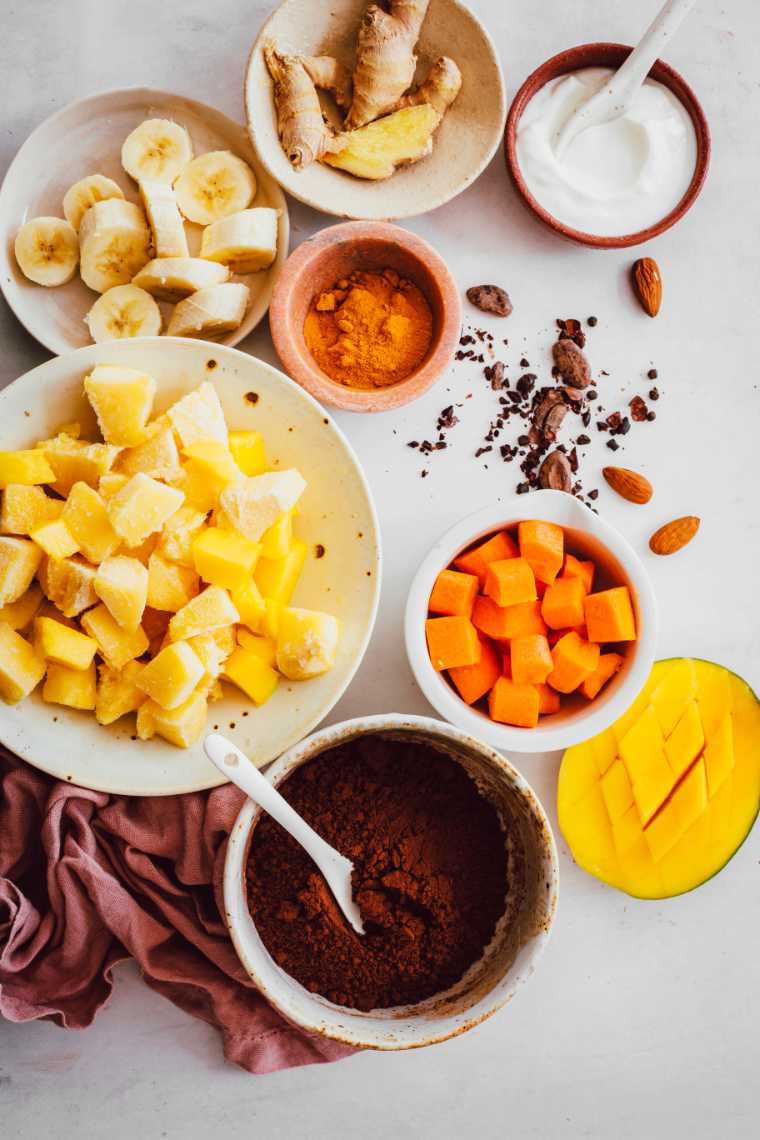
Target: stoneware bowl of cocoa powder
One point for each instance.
(455, 873)
(335, 254)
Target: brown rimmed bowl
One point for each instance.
(335, 253)
(606, 55)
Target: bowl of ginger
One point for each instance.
(366, 316)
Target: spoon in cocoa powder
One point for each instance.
(337, 870)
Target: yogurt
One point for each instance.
(617, 177)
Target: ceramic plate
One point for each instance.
(336, 511)
(86, 138)
(464, 144)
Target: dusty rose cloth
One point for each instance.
(88, 879)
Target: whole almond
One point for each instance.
(671, 537)
(647, 284)
(630, 485)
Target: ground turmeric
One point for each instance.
(370, 330)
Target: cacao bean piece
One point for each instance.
(572, 364)
(490, 299)
(555, 472)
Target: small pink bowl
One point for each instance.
(606, 55)
(337, 252)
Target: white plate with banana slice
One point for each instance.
(145, 184)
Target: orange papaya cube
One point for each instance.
(555, 635)
(452, 641)
(510, 703)
(506, 664)
(510, 581)
(562, 605)
(574, 568)
(476, 561)
(574, 660)
(474, 681)
(531, 659)
(542, 545)
(548, 700)
(609, 663)
(489, 618)
(523, 619)
(609, 615)
(453, 593)
(541, 589)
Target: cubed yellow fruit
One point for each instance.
(87, 517)
(307, 643)
(248, 451)
(121, 583)
(201, 494)
(19, 560)
(223, 558)
(56, 539)
(56, 642)
(77, 461)
(157, 456)
(276, 578)
(251, 674)
(199, 415)
(142, 552)
(181, 726)
(249, 603)
(263, 647)
(270, 621)
(26, 467)
(211, 610)
(110, 483)
(75, 688)
(117, 646)
(224, 638)
(170, 586)
(171, 677)
(122, 399)
(21, 668)
(214, 459)
(117, 692)
(26, 507)
(175, 543)
(19, 614)
(252, 504)
(142, 507)
(277, 541)
(69, 583)
(212, 654)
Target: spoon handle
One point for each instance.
(639, 63)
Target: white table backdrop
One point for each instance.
(641, 1020)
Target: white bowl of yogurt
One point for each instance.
(618, 183)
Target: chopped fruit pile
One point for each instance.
(516, 621)
(137, 572)
(659, 802)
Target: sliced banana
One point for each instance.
(158, 148)
(246, 242)
(124, 311)
(167, 227)
(174, 278)
(47, 251)
(213, 186)
(210, 312)
(85, 193)
(114, 243)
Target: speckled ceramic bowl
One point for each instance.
(335, 253)
(509, 959)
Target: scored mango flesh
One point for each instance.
(660, 801)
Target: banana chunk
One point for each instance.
(167, 227)
(114, 243)
(47, 251)
(158, 148)
(174, 278)
(246, 242)
(213, 186)
(85, 193)
(210, 312)
(121, 312)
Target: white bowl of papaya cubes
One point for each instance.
(532, 623)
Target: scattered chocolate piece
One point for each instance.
(490, 299)
(593, 322)
(571, 363)
(593, 494)
(555, 472)
(654, 394)
(592, 394)
(526, 383)
(523, 488)
(482, 451)
(447, 419)
(413, 443)
(423, 474)
(571, 329)
(652, 374)
(638, 409)
(613, 444)
(583, 440)
(549, 410)
(524, 363)
(651, 416)
(494, 374)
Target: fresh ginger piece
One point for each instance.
(440, 88)
(385, 59)
(304, 135)
(376, 150)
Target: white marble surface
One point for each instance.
(640, 1021)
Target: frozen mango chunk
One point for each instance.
(224, 558)
(157, 456)
(26, 507)
(122, 399)
(209, 611)
(199, 415)
(117, 692)
(87, 518)
(56, 539)
(214, 461)
(212, 653)
(28, 468)
(142, 507)
(307, 643)
(117, 646)
(170, 586)
(263, 647)
(270, 619)
(21, 667)
(247, 600)
(251, 505)
(248, 451)
(69, 583)
(251, 674)
(75, 688)
(278, 539)
(276, 578)
(56, 642)
(77, 461)
(170, 678)
(181, 726)
(19, 561)
(110, 483)
(175, 542)
(19, 614)
(121, 583)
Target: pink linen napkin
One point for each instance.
(88, 879)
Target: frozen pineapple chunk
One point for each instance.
(251, 673)
(56, 539)
(170, 678)
(175, 542)
(76, 461)
(25, 467)
(277, 541)
(117, 646)
(121, 583)
(117, 692)
(170, 586)
(19, 559)
(18, 615)
(263, 647)
(86, 516)
(212, 655)
(157, 456)
(223, 558)
(199, 415)
(142, 507)
(276, 578)
(57, 642)
(122, 399)
(247, 600)
(214, 460)
(248, 451)
(181, 726)
(142, 552)
(201, 494)
(26, 507)
(251, 505)
(110, 483)
(69, 583)
(21, 668)
(211, 610)
(307, 643)
(75, 688)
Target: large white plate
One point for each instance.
(336, 511)
(86, 138)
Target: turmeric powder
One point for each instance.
(370, 330)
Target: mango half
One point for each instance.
(659, 802)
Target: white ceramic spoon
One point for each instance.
(614, 97)
(235, 766)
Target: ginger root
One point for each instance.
(329, 74)
(304, 134)
(385, 58)
(440, 89)
(378, 149)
